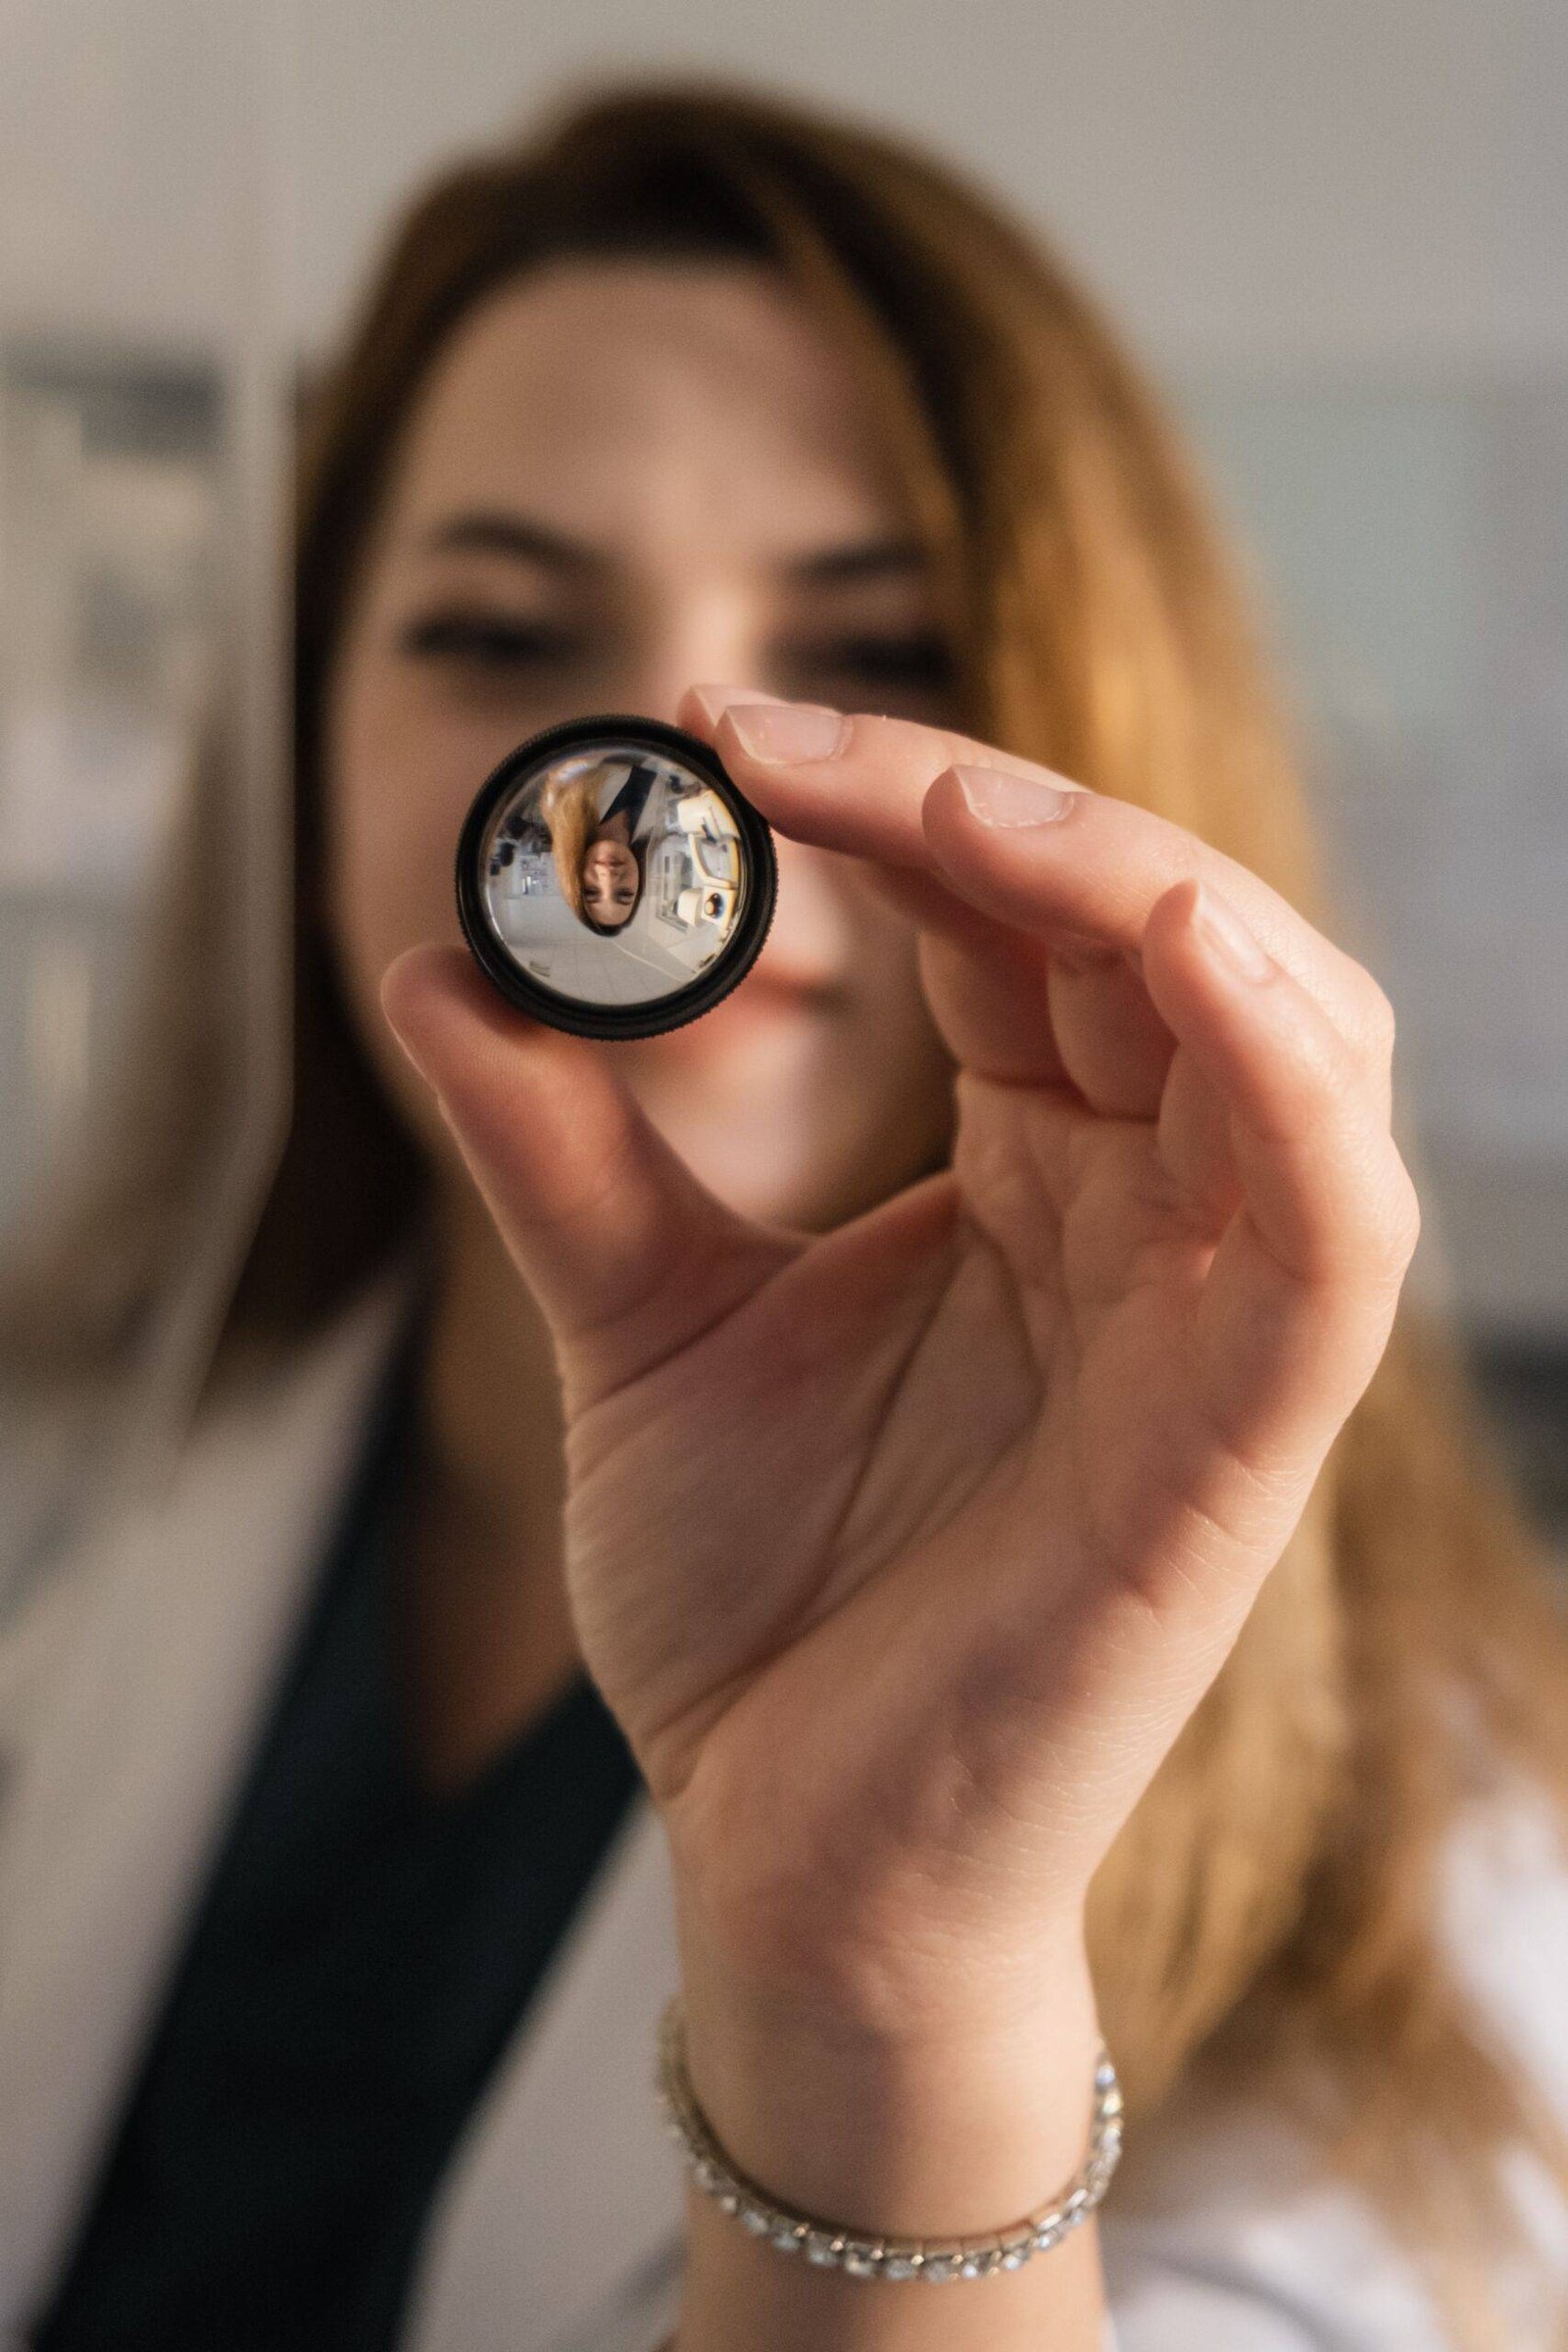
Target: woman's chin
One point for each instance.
(740, 1093)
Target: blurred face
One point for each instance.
(622, 478)
(608, 882)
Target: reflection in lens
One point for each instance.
(613, 876)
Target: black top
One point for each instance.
(631, 798)
(362, 1951)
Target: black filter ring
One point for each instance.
(759, 884)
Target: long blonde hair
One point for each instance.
(1269, 1918)
(570, 810)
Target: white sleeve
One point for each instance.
(1236, 2238)
(1259, 2263)
(1221, 2232)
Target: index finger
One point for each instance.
(1098, 875)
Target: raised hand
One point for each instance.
(903, 1553)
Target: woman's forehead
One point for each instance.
(624, 404)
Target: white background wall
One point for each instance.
(1336, 230)
(1350, 184)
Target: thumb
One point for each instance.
(628, 1254)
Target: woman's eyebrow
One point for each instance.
(856, 560)
(495, 531)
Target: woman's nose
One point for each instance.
(703, 636)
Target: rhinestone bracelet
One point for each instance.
(876, 2257)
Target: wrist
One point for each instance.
(952, 2124)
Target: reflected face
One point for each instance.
(706, 501)
(609, 882)
(621, 820)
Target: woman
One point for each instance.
(610, 879)
(925, 1468)
(600, 871)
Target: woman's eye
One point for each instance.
(894, 661)
(486, 640)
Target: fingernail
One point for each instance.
(717, 700)
(788, 731)
(1225, 932)
(997, 798)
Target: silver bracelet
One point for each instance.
(875, 2257)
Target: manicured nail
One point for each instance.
(788, 731)
(997, 798)
(717, 700)
(1224, 931)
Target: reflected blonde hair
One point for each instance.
(1268, 1920)
(570, 809)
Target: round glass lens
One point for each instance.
(609, 869)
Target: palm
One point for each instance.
(795, 1617)
(903, 1553)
